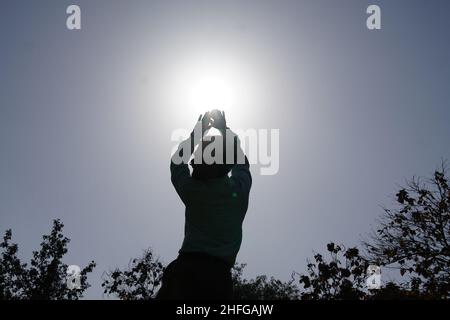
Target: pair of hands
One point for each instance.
(212, 119)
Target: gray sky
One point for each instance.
(86, 118)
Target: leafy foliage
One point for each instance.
(415, 236)
(46, 277)
(140, 281)
(342, 277)
(262, 288)
(12, 271)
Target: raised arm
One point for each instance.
(179, 169)
(240, 172)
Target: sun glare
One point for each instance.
(209, 91)
(204, 83)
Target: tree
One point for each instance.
(262, 288)
(140, 281)
(415, 236)
(46, 277)
(342, 277)
(12, 271)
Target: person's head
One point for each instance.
(206, 164)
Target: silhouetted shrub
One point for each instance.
(46, 277)
(140, 281)
(415, 236)
(262, 288)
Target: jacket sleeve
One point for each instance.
(179, 170)
(242, 176)
(241, 171)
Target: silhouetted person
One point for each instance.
(216, 204)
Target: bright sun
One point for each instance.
(206, 82)
(209, 91)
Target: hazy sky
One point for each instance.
(86, 118)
